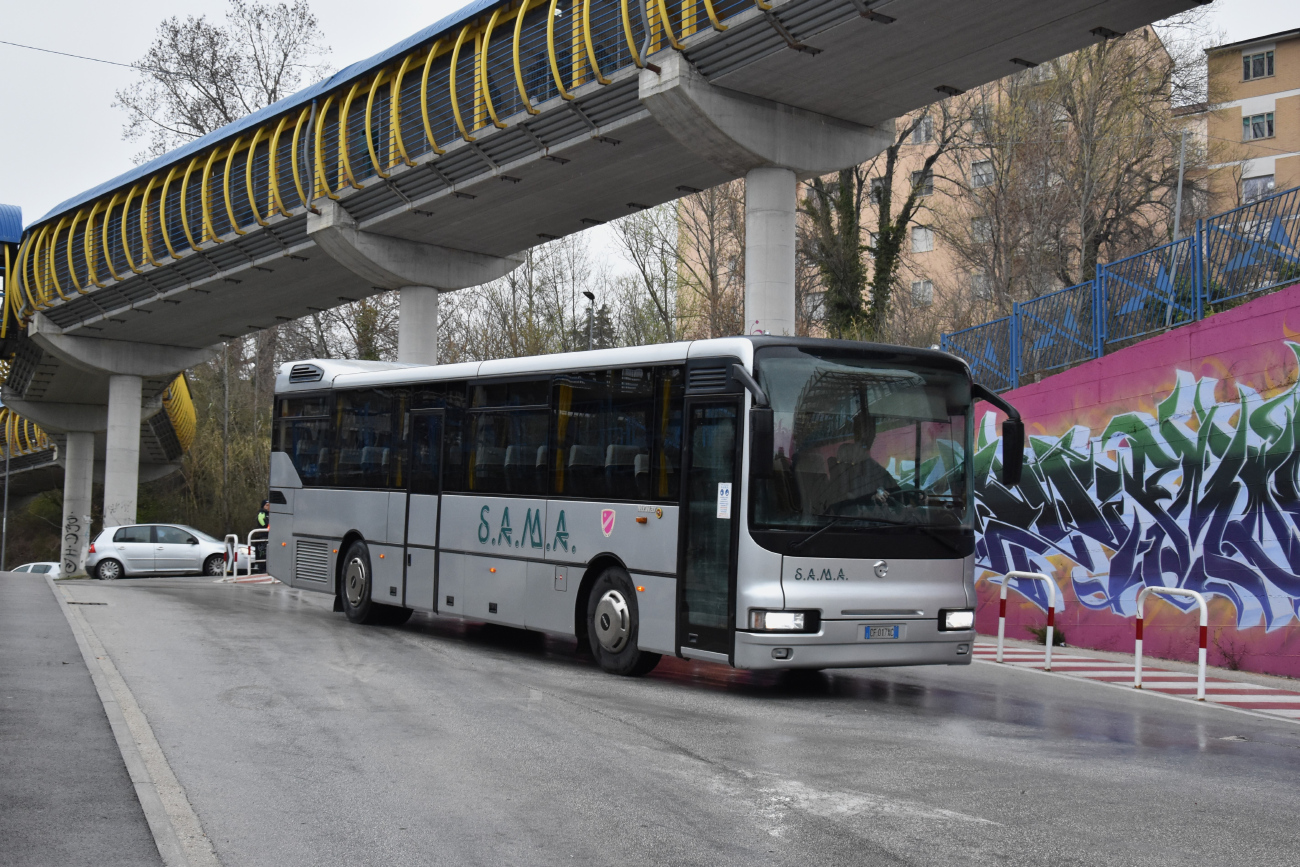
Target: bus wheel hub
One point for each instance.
(354, 582)
(612, 621)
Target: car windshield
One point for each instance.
(202, 535)
(861, 442)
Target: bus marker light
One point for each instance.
(493, 569)
(381, 556)
(282, 544)
(640, 589)
(642, 520)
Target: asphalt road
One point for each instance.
(300, 738)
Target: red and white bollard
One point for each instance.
(1051, 611)
(1205, 631)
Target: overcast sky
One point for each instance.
(61, 135)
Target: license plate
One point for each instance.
(881, 632)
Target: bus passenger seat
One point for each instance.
(620, 470)
(641, 469)
(586, 463)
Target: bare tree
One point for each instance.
(650, 240)
(711, 251)
(198, 76)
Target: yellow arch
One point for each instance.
(185, 216)
(37, 278)
(482, 68)
(519, 69)
(72, 270)
(668, 26)
(108, 219)
(225, 187)
(713, 16)
(248, 174)
(50, 254)
(24, 250)
(273, 167)
(591, 46)
(162, 212)
(455, 101)
(293, 163)
(146, 248)
(370, 106)
(343, 137)
(88, 246)
(550, 50)
(395, 113)
(424, 97)
(126, 214)
(631, 38)
(205, 206)
(321, 177)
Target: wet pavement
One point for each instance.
(300, 738)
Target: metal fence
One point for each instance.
(1234, 255)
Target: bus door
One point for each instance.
(424, 488)
(706, 595)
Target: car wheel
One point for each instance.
(613, 626)
(214, 565)
(108, 570)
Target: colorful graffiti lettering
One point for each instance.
(1202, 494)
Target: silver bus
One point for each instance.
(762, 502)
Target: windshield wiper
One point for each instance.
(806, 539)
(924, 528)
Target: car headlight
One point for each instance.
(958, 620)
(782, 621)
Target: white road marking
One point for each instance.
(175, 827)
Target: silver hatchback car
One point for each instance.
(148, 549)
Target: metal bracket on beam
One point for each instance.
(789, 37)
(867, 13)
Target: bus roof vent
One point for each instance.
(305, 373)
(710, 378)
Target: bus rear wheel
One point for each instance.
(613, 625)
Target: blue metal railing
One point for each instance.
(1243, 252)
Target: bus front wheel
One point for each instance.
(355, 591)
(613, 625)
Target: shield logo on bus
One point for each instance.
(607, 521)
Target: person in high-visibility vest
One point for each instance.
(263, 523)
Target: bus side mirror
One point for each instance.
(760, 442)
(1013, 451)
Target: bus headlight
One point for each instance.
(959, 620)
(782, 621)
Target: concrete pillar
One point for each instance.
(122, 456)
(78, 475)
(769, 251)
(417, 325)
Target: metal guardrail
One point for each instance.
(1231, 256)
(500, 66)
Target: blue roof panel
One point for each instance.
(289, 103)
(11, 224)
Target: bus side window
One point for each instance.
(370, 438)
(302, 431)
(603, 419)
(665, 473)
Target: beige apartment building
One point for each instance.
(1252, 127)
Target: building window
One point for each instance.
(1257, 126)
(1254, 189)
(877, 189)
(1256, 65)
(923, 183)
(981, 230)
(922, 293)
(922, 239)
(981, 173)
(924, 131)
(980, 286)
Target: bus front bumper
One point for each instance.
(841, 644)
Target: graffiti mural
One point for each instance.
(1200, 495)
(1174, 462)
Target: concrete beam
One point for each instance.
(115, 357)
(69, 417)
(739, 132)
(392, 263)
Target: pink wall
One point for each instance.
(1173, 462)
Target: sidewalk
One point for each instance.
(1248, 692)
(66, 795)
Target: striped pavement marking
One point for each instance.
(1253, 697)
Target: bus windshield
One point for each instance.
(862, 442)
